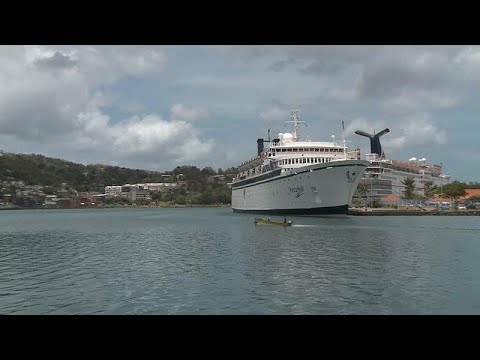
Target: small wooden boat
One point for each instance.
(272, 222)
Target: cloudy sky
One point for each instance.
(156, 107)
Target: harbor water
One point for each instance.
(213, 261)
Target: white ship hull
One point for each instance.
(315, 189)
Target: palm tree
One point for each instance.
(409, 183)
(361, 191)
(429, 188)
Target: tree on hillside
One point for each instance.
(189, 172)
(208, 171)
(142, 202)
(232, 170)
(156, 196)
(429, 188)
(52, 173)
(180, 199)
(208, 198)
(454, 189)
(409, 183)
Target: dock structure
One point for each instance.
(412, 212)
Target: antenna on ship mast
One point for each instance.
(296, 123)
(344, 141)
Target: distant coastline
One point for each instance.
(351, 211)
(122, 207)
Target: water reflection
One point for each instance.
(211, 261)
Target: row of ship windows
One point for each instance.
(273, 150)
(304, 161)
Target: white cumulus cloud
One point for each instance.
(274, 113)
(411, 100)
(184, 113)
(413, 130)
(56, 94)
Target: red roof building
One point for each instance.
(470, 193)
(391, 198)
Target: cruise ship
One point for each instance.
(291, 176)
(385, 176)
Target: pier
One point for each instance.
(410, 212)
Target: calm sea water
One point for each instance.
(212, 261)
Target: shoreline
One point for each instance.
(350, 212)
(118, 207)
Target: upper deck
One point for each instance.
(288, 152)
(420, 167)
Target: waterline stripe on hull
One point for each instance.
(342, 209)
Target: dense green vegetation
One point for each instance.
(52, 173)
(40, 170)
(454, 189)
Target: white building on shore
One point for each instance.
(113, 190)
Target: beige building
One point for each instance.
(160, 187)
(113, 190)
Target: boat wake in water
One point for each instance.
(300, 225)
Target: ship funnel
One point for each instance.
(375, 146)
(259, 146)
